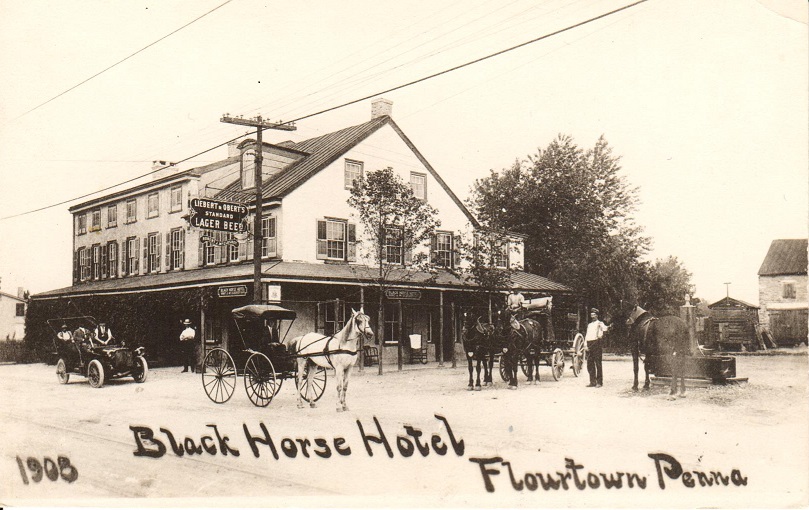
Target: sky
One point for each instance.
(707, 103)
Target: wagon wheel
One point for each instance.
(61, 371)
(579, 357)
(557, 364)
(141, 369)
(524, 365)
(313, 387)
(95, 374)
(260, 382)
(218, 375)
(503, 372)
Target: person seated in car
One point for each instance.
(64, 334)
(103, 334)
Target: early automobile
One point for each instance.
(77, 353)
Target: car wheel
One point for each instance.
(95, 374)
(141, 369)
(61, 371)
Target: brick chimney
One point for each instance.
(381, 107)
(162, 168)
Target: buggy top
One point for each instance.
(258, 312)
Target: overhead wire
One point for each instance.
(348, 103)
(120, 61)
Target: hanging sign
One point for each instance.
(231, 291)
(408, 294)
(218, 215)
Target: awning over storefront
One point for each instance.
(345, 274)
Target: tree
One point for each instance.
(576, 209)
(663, 286)
(395, 223)
(486, 257)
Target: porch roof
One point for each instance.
(306, 272)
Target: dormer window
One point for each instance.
(249, 169)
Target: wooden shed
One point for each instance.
(732, 325)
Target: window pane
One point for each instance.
(353, 171)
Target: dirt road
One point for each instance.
(416, 437)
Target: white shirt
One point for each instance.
(515, 301)
(188, 334)
(595, 330)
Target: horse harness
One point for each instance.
(645, 324)
(328, 353)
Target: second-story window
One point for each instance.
(788, 290)
(176, 199)
(393, 246)
(269, 244)
(336, 240)
(153, 205)
(418, 182)
(84, 264)
(96, 262)
(500, 254)
(95, 220)
(81, 224)
(233, 248)
(353, 171)
(177, 249)
(112, 216)
(131, 210)
(442, 252)
(112, 259)
(130, 256)
(153, 253)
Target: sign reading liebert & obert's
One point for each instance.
(218, 215)
(409, 294)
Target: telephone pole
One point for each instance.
(260, 126)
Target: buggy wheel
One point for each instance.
(557, 364)
(314, 386)
(141, 369)
(95, 374)
(579, 357)
(503, 370)
(524, 365)
(218, 375)
(61, 371)
(259, 380)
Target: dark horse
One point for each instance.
(479, 346)
(657, 337)
(523, 340)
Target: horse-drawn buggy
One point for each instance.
(79, 353)
(265, 359)
(542, 336)
(523, 340)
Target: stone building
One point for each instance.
(782, 290)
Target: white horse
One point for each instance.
(338, 352)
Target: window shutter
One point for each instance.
(352, 242)
(201, 254)
(242, 250)
(157, 256)
(456, 251)
(76, 266)
(124, 253)
(114, 267)
(181, 247)
(145, 255)
(221, 237)
(433, 249)
(322, 245)
(104, 261)
(136, 256)
(250, 243)
(168, 252)
(407, 256)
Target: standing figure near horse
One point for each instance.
(654, 338)
(594, 338)
(338, 352)
(478, 342)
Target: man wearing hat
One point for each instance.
(594, 335)
(187, 345)
(64, 334)
(102, 333)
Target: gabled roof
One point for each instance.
(321, 152)
(3, 294)
(731, 302)
(785, 257)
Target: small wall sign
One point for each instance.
(226, 291)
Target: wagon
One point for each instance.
(99, 363)
(557, 343)
(262, 359)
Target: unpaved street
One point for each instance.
(517, 441)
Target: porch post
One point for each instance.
(202, 324)
(362, 338)
(454, 333)
(440, 328)
(401, 333)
